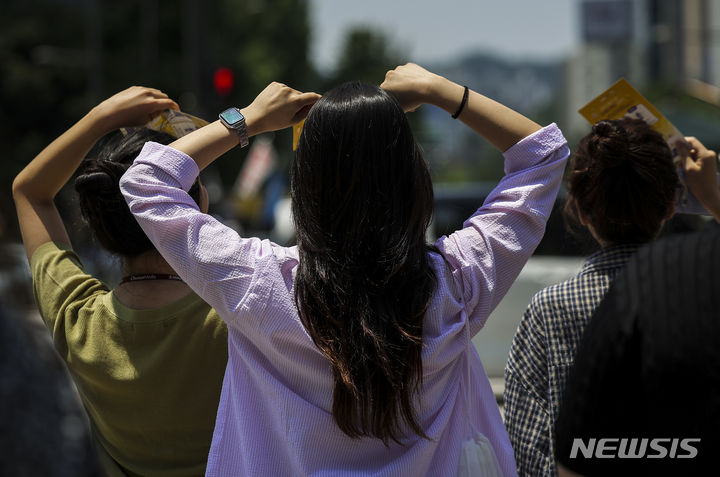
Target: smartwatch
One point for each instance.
(233, 119)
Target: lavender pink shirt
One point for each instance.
(274, 416)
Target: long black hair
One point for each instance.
(362, 200)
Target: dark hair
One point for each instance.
(622, 179)
(101, 203)
(362, 200)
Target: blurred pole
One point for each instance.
(94, 51)
(149, 20)
(706, 35)
(193, 23)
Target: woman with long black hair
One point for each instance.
(350, 353)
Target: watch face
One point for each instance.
(232, 116)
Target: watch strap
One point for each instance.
(238, 126)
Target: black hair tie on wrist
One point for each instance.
(462, 103)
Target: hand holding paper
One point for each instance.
(622, 100)
(700, 167)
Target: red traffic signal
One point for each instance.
(223, 81)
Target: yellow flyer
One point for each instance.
(621, 100)
(175, 123)
(297, 130)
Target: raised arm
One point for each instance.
(35, 187)
(413, 86)
(701, 175)
(494, 244)
(277, 107)
(209, 256)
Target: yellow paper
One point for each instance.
(297, 129)
(175, 123)
(621, 100)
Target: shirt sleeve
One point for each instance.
(487, 254)
(61, 284)
(527, 415)
(226, 270)
(220, 266)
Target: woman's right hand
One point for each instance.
(134, 106)
(277, 107)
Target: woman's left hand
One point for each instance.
(134, 106)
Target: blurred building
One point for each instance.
(686, 43)
(671, 43)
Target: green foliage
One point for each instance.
(366, 55)
(40, 84)
(60, 58)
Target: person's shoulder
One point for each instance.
(283, 254)
(444, 274)
(55, 265)
(557, 294)
(50, 250)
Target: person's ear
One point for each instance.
(584, 221)
(671, 208)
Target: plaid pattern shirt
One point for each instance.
(542, 353)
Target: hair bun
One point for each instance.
(95, 182)
(604, 128)
(611, 144)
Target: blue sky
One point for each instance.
(432, 30)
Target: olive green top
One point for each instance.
(150, 379)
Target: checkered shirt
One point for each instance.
(542, 353)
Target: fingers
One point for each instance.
(306, 99)
(683, 147)
(304, 102)
(161, 100)
(143, 91)
(301, 114)
(698, 149)
(410, 84)
(694, 146)
(295, 98)
(276, 107)
(155, 92)
(300, 98)
(155, 96)
(168, 103)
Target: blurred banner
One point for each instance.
(259, 164)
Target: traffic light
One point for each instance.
(223, 81)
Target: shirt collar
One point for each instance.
(609, 258)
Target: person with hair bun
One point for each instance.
(147, 356)
(622, 185)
